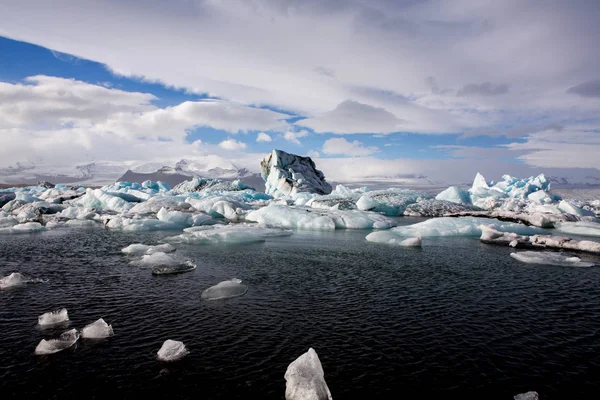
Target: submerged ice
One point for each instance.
(549, 258)
(225, 290)
(239, 233)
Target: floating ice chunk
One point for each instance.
(12, 280)
(160, 259)
(479, 182)
(527, 396)
(412, 242)
(238, 233)
(172, 350)
(154, 204)
(97, 198)
(16, 279)
(174, 217)
(53, 317)
(456, 195)
(291, 218)
(225, 290)
(76, 213)
(64, 341)
(142, 224)
(549, 258)
(579, 228)
(141, 249)
(27, 227)
(97, 330)
(437, 208)
(316, 219)
(305, 379)
(466, 226)
(7, 221)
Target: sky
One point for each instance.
(368, 88)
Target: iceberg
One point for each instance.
(225, 290)
(173, 269)
(437, 208)
(210, 184)
(305, 379)
(456, 195)
(53, 317)
(287, 174)
(411, 242)
(549, 258)
(238, 233)
(305, 218)
(172, 350)
(97, 330)
(141, 249)
(64, 341)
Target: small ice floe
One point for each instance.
(174, 269)
(97, 330)
(53, 317)
(225, 290)
(64, 341)
(527, 396)
(549, 258)
(305, 379)
(238, 233)
(16, 279)
(160, 259)
(172, 350)
(143, 249)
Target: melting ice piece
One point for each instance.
(14, 279)
(97, 330)
(53, 317)
(225, 290)
(160, 259)
(527, 396)
(455, 194)
(141, 249)
(64, 341)
(305, 379)
(172, 350)
(238, 233)
(549, 258)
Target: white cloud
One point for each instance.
(354, 117)
(341, 146)
(232, 144)
(381, 54)
(313, 154)
(291, 136)
(263, 137)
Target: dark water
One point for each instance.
(454, 318)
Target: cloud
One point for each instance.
(354, 117)
(586, 89)
(292, 136)
(232, 144)
(263, 137)
(483, 89)
(341, 146)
